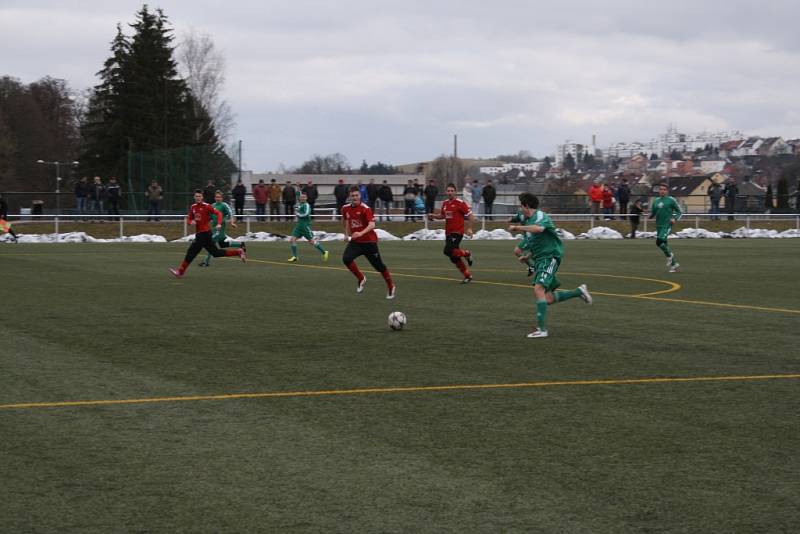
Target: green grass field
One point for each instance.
(271, 397)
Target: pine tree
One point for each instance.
(768, 205)
(142, 116)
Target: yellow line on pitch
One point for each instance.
(411, 389)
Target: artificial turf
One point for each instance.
(107, 322)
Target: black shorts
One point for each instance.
(353, 250)
(451, 243)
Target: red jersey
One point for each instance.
(454, 212)
(201, 213)
(357, 218)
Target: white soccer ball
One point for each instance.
(397, 320)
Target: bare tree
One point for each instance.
(203, 68)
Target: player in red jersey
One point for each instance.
(359, 231)
(454, 212)
(200, 215)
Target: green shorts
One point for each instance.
(302, 230)
(218, 236)
(662, 232)
(545, 275)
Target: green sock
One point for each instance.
(208, 259)
(294, 250)
(566, 294)
(541, 313)
(235, 244)
(319, 247)
(665, 249)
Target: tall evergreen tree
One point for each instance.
(142, 118)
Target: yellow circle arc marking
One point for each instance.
(397, 389)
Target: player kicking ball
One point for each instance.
(200, 215)
(545, 248)
(455, 212)
(303, 229)
(665, 211)
(219, 237)
(359, 231)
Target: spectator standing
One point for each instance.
(387, 198)
(97, 194)
(636, 211)
(489, 193)
(312, 194)
(714, 196)
(467, 192)
(239, 192)
(477, 190)
(431, 192)
(608, 202)
(372, 193)
(208, 192)
(730, 193)
(409, 197)
(623, 197)
(341, 192)
(362, 190)
(81, 190)
(289, 198)
(114, 193)
(260, 195)
(596, 197)
(275, 197)
(3, 208)
(154, 195)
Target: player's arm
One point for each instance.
(190, 216)
(469, 219)
(676, 212)
(533, 228)
(214, 211)
(346, 228)
(231, 215)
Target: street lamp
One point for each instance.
(58, 182)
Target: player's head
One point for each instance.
(355, 196)
(663, 189)
(303, 197)
(451, 191)
(198, 195)
(529, 200)
(217, 196)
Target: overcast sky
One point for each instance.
(393, 81)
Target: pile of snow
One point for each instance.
(793, 233)
(600, 232)
(82, 237)
(697, 233)
(425, 235)
(383, 235)
(564, 235)
(497, 234)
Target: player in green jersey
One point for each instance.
(218, 236)
(303, 229)
(545, 249)
(665, 210)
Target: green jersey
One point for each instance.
(225, 210)
(303, 213)
(664, 210)
(544, 244)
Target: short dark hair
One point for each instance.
(353, 188)
(663, 184)
(451, 184)
(198, 191)
(529, 200)
(217, 192)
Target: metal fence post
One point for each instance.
(58, 238)
(121, 226)
(697, 222)
(483, 222)
(247, 223)
(184, 227)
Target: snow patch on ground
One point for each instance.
(425, 235)
(82, 237)
(600, 232)
(495, 235)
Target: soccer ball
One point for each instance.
(397, 320)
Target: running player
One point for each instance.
(455, 212)
(200, 215)
(219, 237)
(359, 231)
(303, 229)
(547, 251)
(5, 227)
(665, 210)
